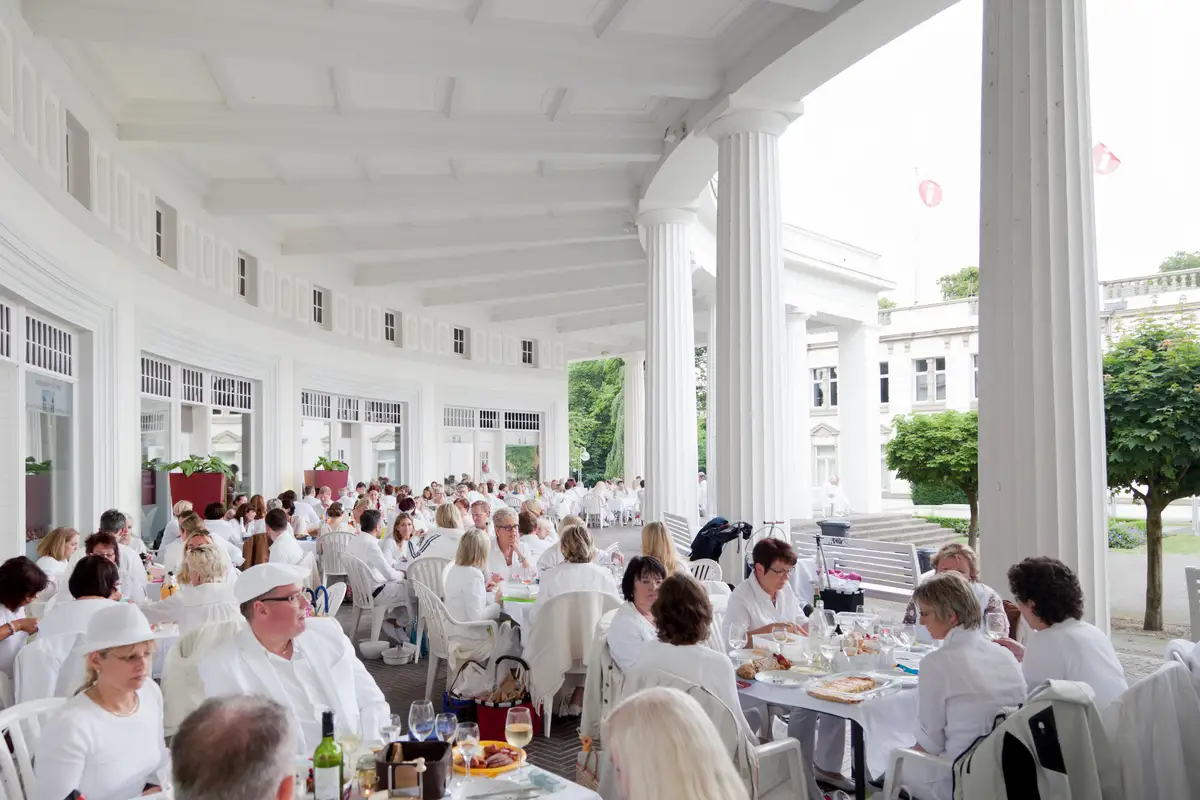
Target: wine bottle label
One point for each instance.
(327, 783)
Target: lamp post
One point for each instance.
(584, 457)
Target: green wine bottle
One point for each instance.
(327, 763)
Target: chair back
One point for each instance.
(561, 637)
(437, 619)
(336, 595)
(182, 689)
(22, 726)
(705, 569)
(513, 501)
(360, 580)
(430, 571)
(332, 547)
(681, 533)
(38, 667)
(592, 504)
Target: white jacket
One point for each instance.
(467, 600)
(193, 607)
(366, 548)
(285, 549)
(241, 667)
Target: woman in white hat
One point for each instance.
(107, 741)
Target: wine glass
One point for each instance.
(828, 646)
(467, 736)
(420, 720)
(906, 635)
(391, 729)
(997, 625)
(350, 740)
(445, 725)
(518, 731)
(737, 638)
(779, 634)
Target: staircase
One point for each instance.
(890, 527)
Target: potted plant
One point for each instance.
(199, 480)
(150, 470)
(39, 507)
(328, 472)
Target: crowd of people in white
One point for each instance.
(246, 628)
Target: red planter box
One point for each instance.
(200, 488)
(326, 477)
(39, 506)
(149, 487)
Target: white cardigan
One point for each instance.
(193, 607)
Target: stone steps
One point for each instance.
(894, 527)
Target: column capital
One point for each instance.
(797, 316)
(667, 216)
(744, 114)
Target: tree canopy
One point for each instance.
(1152, 428)
(592, 391)
(939, 450)
(1179, 261)
(885, 303)
(960, 285)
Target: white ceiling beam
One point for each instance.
(522, 263)
(469, 194)
(808, 5)
(592, 301)
(591, 320)
(497, 234)
(563, 284)
(391, 39)
(610, 18)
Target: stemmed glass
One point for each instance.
(906, 635)
(445, 724)
(391, 729)
(737, 638)
(467, 736)
(779, 633)
(518, 731)
(420, 720)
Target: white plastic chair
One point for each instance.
(337, 594)
(363, 585)
(705, 569)
(332, 546)
(440, 623)
(894, 781)
(22, 724)
(593, 507)
(430, 571)
(6, 690)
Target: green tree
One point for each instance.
(940, 450)
(1181, 260)
(615, 463)
(886, 303)
(592, 391)
(1152, 429)
(960, 285)
(702, 407)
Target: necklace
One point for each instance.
(137, 703)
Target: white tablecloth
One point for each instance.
(307, 545)
(521, 613)
(888, 722)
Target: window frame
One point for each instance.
(885, 383)
(389, 326)
(824, 380)
(935, 367)
(528, 353)
(317, 308)
(458, 341)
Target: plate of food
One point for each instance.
(848, 687)
(767, 663)
(747, 654)
(809, 670)
(495, 758)
(781, 677)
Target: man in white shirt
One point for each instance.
(756, 605)
(235, 747)
(702, 495)
(305, 665)
(308, 496)
(481, 516)
(322, 501)
(219, 527)
(304, 519)
(389, 588)
(284, 547)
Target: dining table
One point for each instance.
(519, 602)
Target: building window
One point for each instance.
(460, 342)
(247, 278)
(389, 327)
(241, 275)
(931, 380)
(158, 233)
(975, 376)
(884, 392)
(67, 161)
(824, 382)
(77, 162)
(825, 464)
(165, 232)
(527, 352)
(318, 307)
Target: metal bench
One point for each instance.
(889, 569)
(681, 534)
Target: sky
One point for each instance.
(911, 110)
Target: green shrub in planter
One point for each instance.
(934, 495)
(1124, 536)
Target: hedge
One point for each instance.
(961, 526)
(1125, 535)
(927, 495)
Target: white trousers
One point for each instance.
(393, 595)
(828, 735)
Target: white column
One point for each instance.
(712, 472)
(1041, 434)
(752, 393)
(858, 416)
(671, 449)
(799, 436)
(635, 417)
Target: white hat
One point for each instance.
(260, 579)
(116, 626)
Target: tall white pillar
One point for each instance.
(752, 394)
(1041, 433)
(635, 417)
(671, 448)
(712, 471)
(859, 440)
(800, 435)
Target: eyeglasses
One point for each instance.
(295, 599)
(506, 527)
(655, 582)
(787, 572)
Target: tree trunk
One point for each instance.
(1154, 565)
(973, 531)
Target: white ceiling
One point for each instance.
(487, 138)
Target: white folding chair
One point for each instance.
(894, 782)
(593, 507)
(22, 725)
(705, 569)
(332, 546)
(430, 571)
(364, 600)
(337, 593)
(440, 623)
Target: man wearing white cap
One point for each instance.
(305, 664)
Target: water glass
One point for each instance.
(391, 729)
(737, 638)
(445, 724)
(467, 736)
(779, 633)
(906, 635)
(420, 720)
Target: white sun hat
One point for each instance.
(116, 626)
(262, 578)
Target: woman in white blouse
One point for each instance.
(467, 590)
(171, 531)
(401, 548)
(442, 541)
(577, 572)
(20, 582)
(962, 685)
(203, 597)
(54, 551)
(94, 585)
(633, 624)
(107, 741)
(682, 616)
(960, 558)
(656, 543)
(1062, 646)
(508, 560)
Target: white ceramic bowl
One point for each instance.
(395, 656)
(373, 650)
